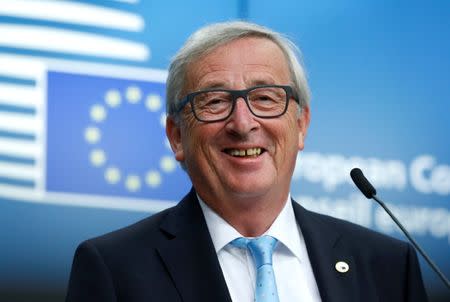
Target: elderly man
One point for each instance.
(238, 113)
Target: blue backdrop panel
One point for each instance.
(379, 74)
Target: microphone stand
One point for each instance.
(369, 191)
(415, 244)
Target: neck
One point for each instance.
(251, 217)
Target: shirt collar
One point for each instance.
(284, 228)
(221, 231)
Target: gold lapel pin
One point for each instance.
(342, 266)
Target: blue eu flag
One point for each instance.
(105, 137)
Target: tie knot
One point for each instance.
(261, 248)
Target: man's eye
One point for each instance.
(216, 101)
(264, 98)
(214, 104)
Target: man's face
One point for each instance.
(212, 152)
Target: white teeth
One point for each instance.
(247, 152)
(234, 152)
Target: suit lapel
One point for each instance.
(189, 254)
(191, 260)
(326, 248)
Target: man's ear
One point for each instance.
(303, 124)
(173, 133)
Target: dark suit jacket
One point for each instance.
(170, 257)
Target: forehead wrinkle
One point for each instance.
(230, 80)
(209, 71)
(251, 82)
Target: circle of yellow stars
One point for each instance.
(98, 158)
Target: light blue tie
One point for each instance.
(261, 249)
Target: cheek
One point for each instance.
(286, 143)
(189, 119)
(294, 130)
(186, 138)
(194, 138)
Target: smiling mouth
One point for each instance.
(251, 152)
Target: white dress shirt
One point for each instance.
(293, 273)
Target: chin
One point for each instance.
(250, 189)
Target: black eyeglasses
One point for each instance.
(214, 105)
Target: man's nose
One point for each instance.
(241, 121)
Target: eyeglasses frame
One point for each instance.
(236, 94)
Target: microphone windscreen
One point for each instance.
(362, 183)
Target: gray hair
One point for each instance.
(210, 37)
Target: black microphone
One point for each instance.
(369, 191)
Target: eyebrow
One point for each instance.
(222, 85)
(213, 85)
(264, 82)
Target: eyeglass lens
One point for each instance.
(262, 102)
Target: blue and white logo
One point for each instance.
(78, 124)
